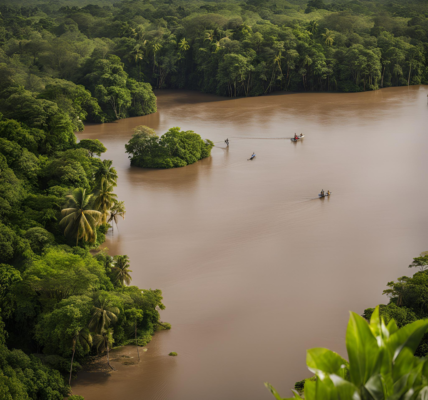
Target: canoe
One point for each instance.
(252, 157)
(325, 195)
(298, 138)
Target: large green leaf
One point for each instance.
(375, 323)
(345, 390)
(375, 387)
(409, 336)
(365, 356)
(403, 364)
(326, 360)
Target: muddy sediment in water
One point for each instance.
(254, 267)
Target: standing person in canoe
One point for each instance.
(227, 142)
(296, 137)
(252, 156)
(328, 193)
(322, 193)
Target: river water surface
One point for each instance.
(253, 267)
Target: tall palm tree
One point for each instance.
(312, 27)
(103, 314)
(118, 210)
(156, 46)
(106, 171)
(183, 45)
(80, 219)
(84, 338)
(121, 270)
(103, 341)
(328, 37)
(105, 200)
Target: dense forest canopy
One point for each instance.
(232, 48)
(64, 63)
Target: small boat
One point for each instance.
(254, 156)
(298, 138)
(323, 195)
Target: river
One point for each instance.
(255, 268)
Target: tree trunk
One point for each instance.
(108, 359)
(71, 367)
(410, 71)
(383, 74)
(138, 351)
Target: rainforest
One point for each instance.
(69, 67)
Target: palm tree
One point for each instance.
(105, 200)
(83, 337)
(103, 341)
(121, 270)
(209, 36)
(183, 45)
(328, 37)
(106, 171)
(156, 46)
(80, 219)
(118, 210)
(103, 313)
(137, 54)
(312, 27)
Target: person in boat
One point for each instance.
(328, 193)
(227, 142)
(322, 192)
(253, 155)
(301, 135)
(295, 136)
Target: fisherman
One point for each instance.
(227, 142)
(322, 193)
(301, 135)
(295, 136)
(328, 193)
(253, 155)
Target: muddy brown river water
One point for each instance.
(253, 267)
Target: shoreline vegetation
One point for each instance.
(406, 312)
(64, 63)
(175, 148)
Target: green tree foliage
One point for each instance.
(49, 291)
(408, 299)
(381, 364)
(121, 270)
(175, 148)
(79, 219)
(94, 146)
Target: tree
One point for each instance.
(103, 341)
(84, 338)
(136, 316)
(381, 364)
(106, 172)
(118, 210)
(328, 37)
(79, 219)
(103, 314)
(94, 146)
(104, 200)
(121, 270)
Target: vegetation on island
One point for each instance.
(381, 364)
(231, 48)
(173, 149)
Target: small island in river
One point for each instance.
(176, 148)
